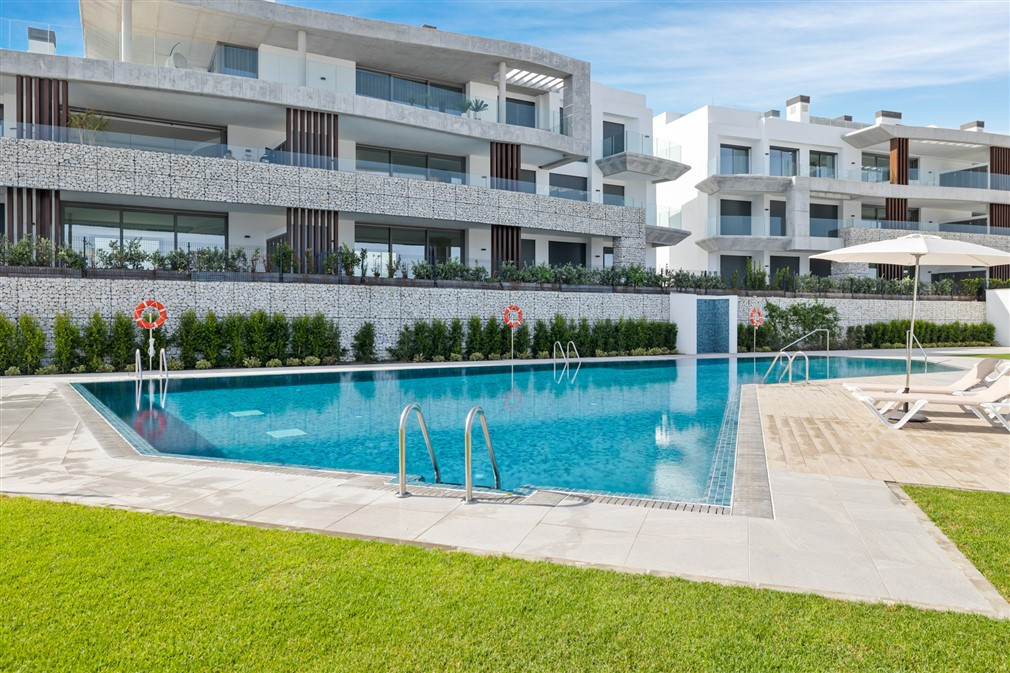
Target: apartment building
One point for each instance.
(775, 190)
(202, 123)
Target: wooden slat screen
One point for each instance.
(33, 213)
(899, 161)
(506, 245)
(506, 161)
(1001, 272)
(896, 210)
(890, 271)
(999, 160)
(311, 138)
(999, 215)
(312, 236)
(41, 107)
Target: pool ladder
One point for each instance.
(162, 377)
(790, 357)
(566, 357)
(474, 413)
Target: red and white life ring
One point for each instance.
(138, 314)
(513, 316)
(756, 317)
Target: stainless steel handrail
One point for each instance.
(404, 417)
(782, 351)
(789, 366)
(162, 364)
(138, 368)
(554, 358)
(468, 452)
(578, 358)
(925, 357)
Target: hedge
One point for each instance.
(438, 341)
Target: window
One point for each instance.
(560, 253)
(157, 135)
(777, 218)
(734, 218)
(159, 231)
(446, 98)
(414, 165)
(410, 244)
(913, 169)
(229, 59)
(568, 187)
(613, 138)
(527, 181)
(734, 160)
(820, 267)
(528, 253)
(733, 264)
(613, 194)
(608, 257)
(823, 220)
(877, 215)
(520, 113)
(782, 161)
(823, 164)
(782, 262)
(876, 167)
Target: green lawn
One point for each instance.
(97, 589)
(978, 522)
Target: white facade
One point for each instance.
(780, 189)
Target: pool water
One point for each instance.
(662, 429)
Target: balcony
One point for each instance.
(979, 227)
(631, 154)
(280, 157)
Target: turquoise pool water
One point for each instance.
(663, 429)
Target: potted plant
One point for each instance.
(88, 124)
(477, 106)
(348, 259)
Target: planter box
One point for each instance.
(48, 271)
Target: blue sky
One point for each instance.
(940, 63)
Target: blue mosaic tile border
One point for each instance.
(720, 480)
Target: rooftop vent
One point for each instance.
(844, 118)
(798, 109)
(41, 41)
(978, 125)
(772, 113)
(428, 25)
(888, 117)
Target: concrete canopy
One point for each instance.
(659, 237)
(661, 170)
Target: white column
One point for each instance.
(126, 31)
(501, 92)
(302, 49)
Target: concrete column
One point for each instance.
(501, 92)
(126, 31)
(302, 49)
(797, 212)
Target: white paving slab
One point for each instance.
(842, 537)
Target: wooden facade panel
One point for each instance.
(999, 160)
(311, 138)
(506, 245)
(312, 236)
(506, 162)
(899, 161)
(41, 107)
(895, 209)
(999, 215)
(890, 271)
(1001, 272)
(33, 213)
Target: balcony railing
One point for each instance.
(746, 225)
(279, 156)
(640, 143)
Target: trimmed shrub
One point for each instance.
(187, 338)
(251, 362)
(455, 337)
(8, 342)
(66, 342)
(257, 335)
(363, 345)
(233, 333)
(474, 337)
(203, 364)
(123, 341)
(274, 362)
(12, 371)
(176, 365)
(523, 341)
(96, 341)
(211, 338)
(47, 370)
(293, 362)
(541, 338)
(31, 343)
(301, 327)
(492, 337)
(278, 335)
(310, 361)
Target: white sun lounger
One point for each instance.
(983, 372)
(984, 403)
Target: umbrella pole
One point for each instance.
(917, 418)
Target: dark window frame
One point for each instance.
(427, 237)
(427, 157)
(143, 209)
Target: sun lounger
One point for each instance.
(972, 402)
(977, 375)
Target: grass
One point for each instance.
(85, 588)
(1001, 356)
(978, 522)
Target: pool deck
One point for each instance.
(838, 527)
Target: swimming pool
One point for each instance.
(655, 429)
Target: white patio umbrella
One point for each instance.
(913, 250)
